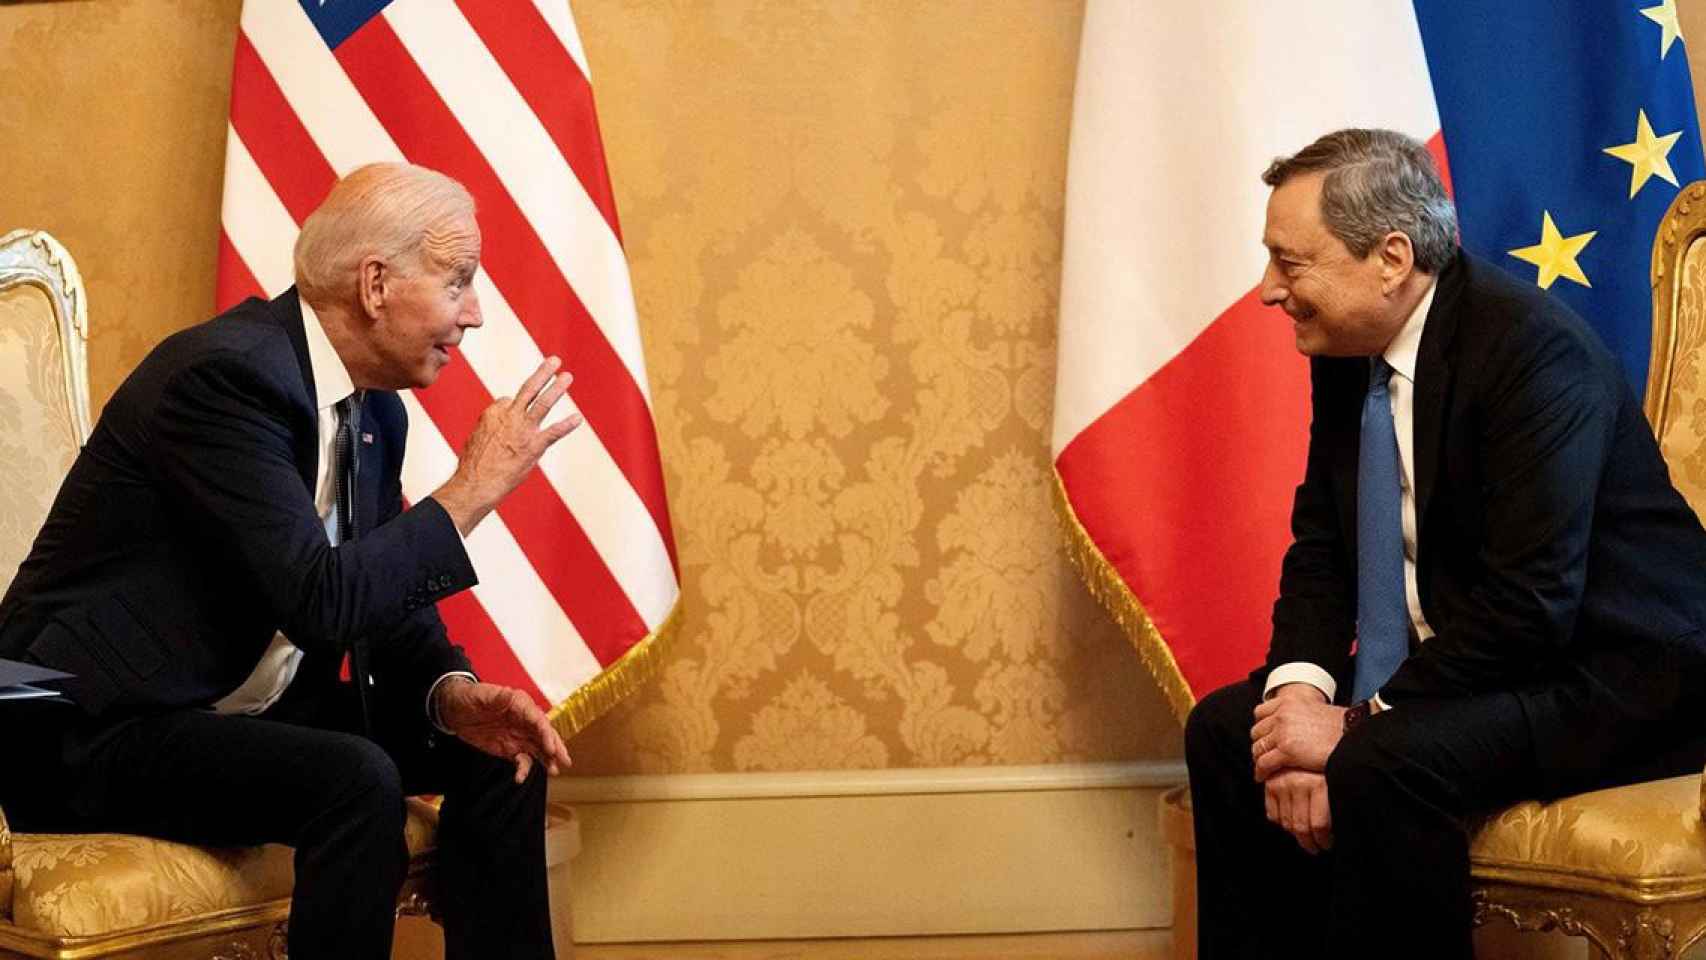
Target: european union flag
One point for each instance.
(1569, 126)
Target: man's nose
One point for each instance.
(471, 311)
(1273, 291)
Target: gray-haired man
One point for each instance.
(1486, 518)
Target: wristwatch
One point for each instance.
(1358, 712)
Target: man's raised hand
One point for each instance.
(506, 443)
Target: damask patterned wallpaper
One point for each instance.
(844, 225)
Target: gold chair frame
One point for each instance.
(35, 258)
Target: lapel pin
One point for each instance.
(366, 437)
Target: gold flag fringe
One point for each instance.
(617, 681)
(1111, 590)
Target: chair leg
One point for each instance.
(1614, 929)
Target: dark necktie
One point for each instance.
(349, 421)
(347, 467)
(1383, 637)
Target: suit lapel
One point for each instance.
(287, 312)
(1433, 384)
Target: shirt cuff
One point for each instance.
(432, 698)
(1299, 671)
(1380, 706)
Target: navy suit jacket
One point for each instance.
(1555, 560)
(185, 534)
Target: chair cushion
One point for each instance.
(81, 885)
(1640, 839)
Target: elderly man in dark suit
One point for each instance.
(1486, 519)
(234, 530)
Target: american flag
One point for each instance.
(578, 568)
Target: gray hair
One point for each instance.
(384, 210)
(1378, 182)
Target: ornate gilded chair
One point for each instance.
(103, 895)
(1624, 869)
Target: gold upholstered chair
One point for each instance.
(108, 895)
(1624, 869)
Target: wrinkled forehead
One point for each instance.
(453, 241)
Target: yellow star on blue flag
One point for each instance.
(1665, 16)
(1556, 254)
(1647, 155)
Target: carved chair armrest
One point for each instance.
(5, 868)
(1703, 795)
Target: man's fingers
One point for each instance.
(536, 381)
(539, 406)
(546, 744)
(1295, 816)
(1320, 818)
(1300, 821)
(561, 428)
(1267, 707)
(1263, 727)
(523, 766)
(1272, 761)
(1272, 803)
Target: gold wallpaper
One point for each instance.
(844, 222)
(844, 226)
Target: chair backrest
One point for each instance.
(44, 384)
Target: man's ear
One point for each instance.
(371, 279)
(1397, 260)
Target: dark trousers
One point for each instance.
(297, 775)
(1401, 788)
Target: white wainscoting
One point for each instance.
(870, 853)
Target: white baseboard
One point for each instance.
(870, 853)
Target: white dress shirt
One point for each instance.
(278, 665)
(1400, 354)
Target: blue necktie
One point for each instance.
(1383, 616)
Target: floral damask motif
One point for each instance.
(797, 478)
(994, 591)
(81, 908)
(939, 732)
(808, 728)
(85, 884)
(1023, 702)
(796, 357)
(847, 271)
(1687, 452)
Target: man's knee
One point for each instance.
(368, 781)
(1218, 724)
